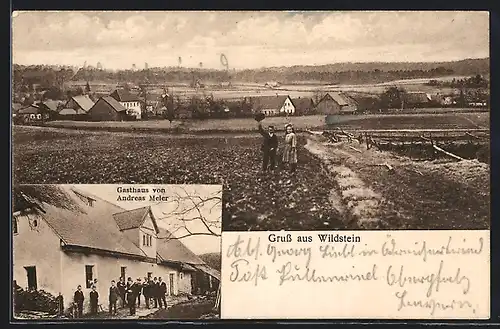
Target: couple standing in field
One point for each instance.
(270, 148)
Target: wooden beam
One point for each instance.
(437, 148)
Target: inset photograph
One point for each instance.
(116, 251)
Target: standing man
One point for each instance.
(269, 147)
(94, 301)
(156, 291)
(122, 289)
(145, 291)
(163, 292)
(78, 299)
(113, 297)
(139, 291)
(131, 291)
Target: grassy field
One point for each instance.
(454, 120)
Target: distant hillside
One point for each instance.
(212, 259)
(340, 73)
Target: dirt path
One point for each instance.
(381, 190)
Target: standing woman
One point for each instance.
(290, 149)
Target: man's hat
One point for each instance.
(259, 117)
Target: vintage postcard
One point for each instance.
(116, 251)
(340, 128)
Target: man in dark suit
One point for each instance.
(145, 291)
(131, 295)
(155, 291)
(269, 147)
(139, 291)
(122, 288)
(94, 300)
(113, 297)
(78, 299)
(163, 292)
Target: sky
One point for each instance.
(247, 39)
(171, 214)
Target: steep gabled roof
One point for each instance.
(113, 103)
(67, 111)
(130, 219)
(339, 98)
(93, 228)
(84, 102)
(171, 249)
(121, 95)
(51, 105)
(269, 102)
(32, 109)
(302, 104)
(416, 97)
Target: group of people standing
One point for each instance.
(129, 293)
(270, 148)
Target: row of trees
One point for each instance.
(477, 81)
(47, 77)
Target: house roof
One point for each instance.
(101, 226)
(170, 249)
(67, 111)
(31, 109)
(209, 270)
(93, 228)
(416, 98)
(134, 218)
(339, 98)
(113, 103)
(302, 104)
(122, 95)
(51, 105)
(269, 102)
(84, 102)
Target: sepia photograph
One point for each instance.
(84, 252)
(310, 120)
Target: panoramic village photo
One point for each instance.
(116, 252)
(309, 120)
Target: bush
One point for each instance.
(36, 300)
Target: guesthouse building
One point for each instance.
(57, 248)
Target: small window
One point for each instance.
(89, 275)
(150, 240)
(14, 225)
(35, 223)
(150, 275)
(182, 275)
(123, 271)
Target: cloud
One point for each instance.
(250, 39)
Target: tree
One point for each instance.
(87, 88)
(54, 93)
(189, 208)
(393, 97)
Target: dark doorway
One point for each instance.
(31, 273)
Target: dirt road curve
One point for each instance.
(380, 189)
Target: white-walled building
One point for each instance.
(273, 105)
(56, 249)
(129, 101)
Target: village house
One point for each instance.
(129, 101)
(51, 107)
(273, 105)
(107, 109)
(336, 103)
(303, 106)
(416, 100)
(57, 248)
(31, 114)
(81, 104)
